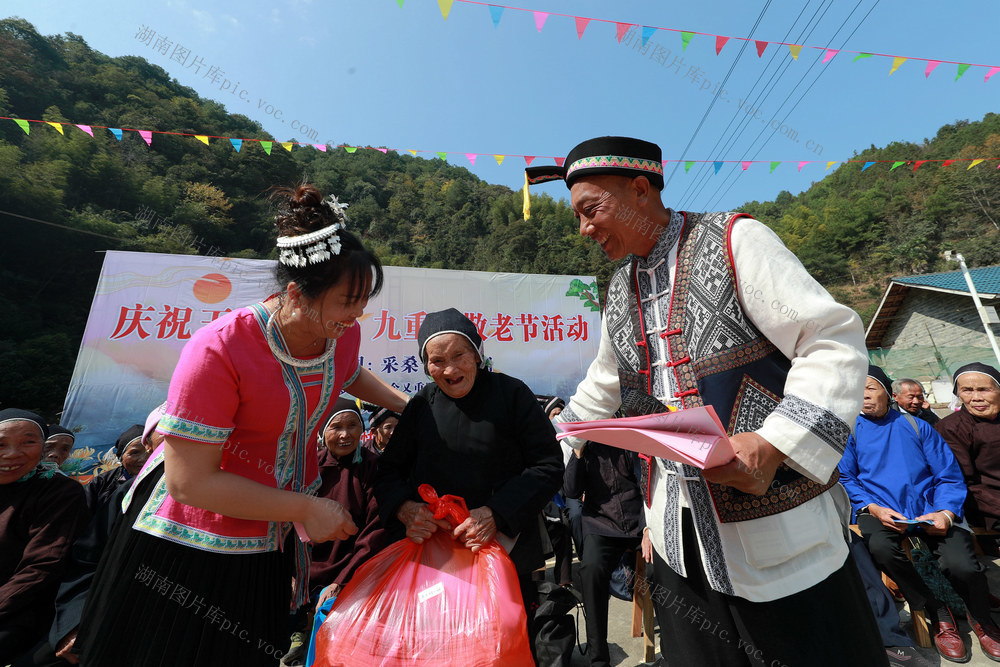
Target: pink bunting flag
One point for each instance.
(760, 47)
(720, 41)
(560, 161)
(472, 158)
(746, 164)
(802, 164)
(540, 18)
(87, 129)
(320, 147)
(147, 136)
(830, 53)
(622, 29)
(383, 150)
(528, 159)
(581, 25)
(931, 64)
(993, 70)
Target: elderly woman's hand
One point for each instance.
(477, 531)
(419, 520)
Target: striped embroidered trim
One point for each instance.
(819, 421)
(616, 161)
(349, 381)
(189, 430)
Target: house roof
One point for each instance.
(985, 278)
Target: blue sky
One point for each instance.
(369, 72)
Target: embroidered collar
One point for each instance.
(43, 470)
(666, 241)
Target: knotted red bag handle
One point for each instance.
(444, 507)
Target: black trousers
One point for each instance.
(601, 556)
(830, 623)
(955, 554)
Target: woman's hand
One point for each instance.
(64, 649)
(327, 520)
(331, 591)
(477, 531)
(419, 520)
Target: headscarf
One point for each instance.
(381, 415)
(153, 420)
(879, 376)
(449, 321)
(131, 434)
(976, 367)
(549, 403)
(341, 406)
(19, 415)
(58, 429)
(622, 156)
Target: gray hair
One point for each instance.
(897, 385)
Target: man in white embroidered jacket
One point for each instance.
(750, 561)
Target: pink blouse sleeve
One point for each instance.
(204, 392)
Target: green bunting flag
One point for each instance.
(23, 124)
(687, 166)
(443, 156)
(774, 165)
(686, 39)
(266, 145)
(961, 70)
(896, 164)
(350, 149)
(860, 56)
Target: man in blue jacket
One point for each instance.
(897, 471)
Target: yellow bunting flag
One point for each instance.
(445, 6)
(830, 164)
(973, 164)
(499, 159)
(287, 145)
(527, 198)
(413, 152)
(896, 62)
(58, 127)
(202, 138)
(794, 50)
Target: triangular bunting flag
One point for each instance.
(350, 149)
(931, 64)
(685, 39)
(896, 164)
(58, 127)
(973, 164)
(647, 32)
(287, 145)
(528, 159)
(581, 25)
(442, 155)
(687, 165)
(828, 56)
(961, 70)
(540, 18)
(916, 165)
(896, 62)
(202, 138)
(499, 159)
(445, 6)
(802, 164)
(472, 158)
(400, 2)
(794, 49)
(867, 164)
(620, 30)
(860, 56)
(746, 164)
(320, 147)
(760, 47)
(720, 41)
(23, 124)
(560, 161)
(237, 143)
(718, 166)
(993, 70)
(266, 145)
(496, 11)
(947, 163)
(413, 152)
(384, 151)
(774, 165)
(115, 131)
(87, 129)
(830, 164)
(147, 136)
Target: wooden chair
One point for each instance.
(642, 610)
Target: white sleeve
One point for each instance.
(597, 397)
(823, 339)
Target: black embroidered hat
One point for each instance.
(445, 322)
(16, 415)
(381, 416)
(623, 156)
(59, 429)
(877, 374)
(976, 367)
(131, 434)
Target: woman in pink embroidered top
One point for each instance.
(195, 573)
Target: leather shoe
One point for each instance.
(947, 641)
(989, 638)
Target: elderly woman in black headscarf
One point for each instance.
(41, 513)
(476, 434)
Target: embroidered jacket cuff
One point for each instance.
(811, 437)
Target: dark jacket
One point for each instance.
(976, 445)
(605, 477)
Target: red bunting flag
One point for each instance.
(916, 165)
(528, 159)
(760, 47)
(622, 29)
(560, 161)
(947, 163)
(720, 41)
(581, 25)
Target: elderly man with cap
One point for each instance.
(712, 309)
(901, 476)
(476, 434)
(973, 433)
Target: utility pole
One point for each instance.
(957, 257)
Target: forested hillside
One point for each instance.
(851, 229)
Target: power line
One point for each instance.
(56, 224)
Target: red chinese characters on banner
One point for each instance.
(500, 327)
(171, 322)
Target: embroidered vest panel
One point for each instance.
(730, 364)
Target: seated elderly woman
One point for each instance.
(474, 434)
(132, 451)
(41, 513)
(58, 445)
(383, 423)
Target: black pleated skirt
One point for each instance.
(156, 603)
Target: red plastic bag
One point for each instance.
(435, 603)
